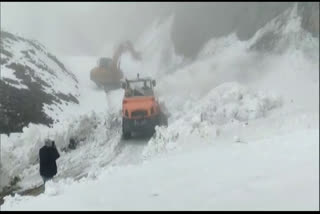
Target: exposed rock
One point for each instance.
(29, 79)
(310, 16)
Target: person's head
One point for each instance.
(48, 143)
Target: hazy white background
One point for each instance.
(92, 28)
(81, 28)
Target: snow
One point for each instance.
(59, 82)
(285, 32)
(243, 132)
(8, 74)
(90, 98)
(157, 52)
(215, 45)
(95, 122)
(229, 103)
(252, 176)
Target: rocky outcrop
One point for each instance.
(31, 78)
(294, 28)
(310, 16)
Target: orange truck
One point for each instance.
(141, 111)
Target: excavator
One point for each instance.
(107, 74)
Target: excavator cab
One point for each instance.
(107, 74)
(105, 63)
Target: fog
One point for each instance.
(79, 28)
(83, 28)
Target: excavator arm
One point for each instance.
(123, 47)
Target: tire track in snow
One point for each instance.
(131, 152)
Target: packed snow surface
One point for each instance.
(226, 176)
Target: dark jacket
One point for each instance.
(48, 157)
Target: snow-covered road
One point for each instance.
(251, 176)
(131, 152)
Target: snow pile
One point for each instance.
(225, 104)
(231, 101)
(157, 52)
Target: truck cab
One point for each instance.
(140, 109)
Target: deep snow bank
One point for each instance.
(94, 123)
(228, 103)
(97, 134)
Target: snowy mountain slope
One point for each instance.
(243, 134)
(283, 32)
(35, 85)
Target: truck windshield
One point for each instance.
(141, 88)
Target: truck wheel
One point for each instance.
(125, 134)
(163, 119)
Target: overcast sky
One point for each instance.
(92, 28)
(78, 27)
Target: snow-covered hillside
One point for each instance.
(35, 85)
(243, 131)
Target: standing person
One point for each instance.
(48, 155)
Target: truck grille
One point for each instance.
(140, 113)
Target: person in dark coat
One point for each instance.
(48, 155)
